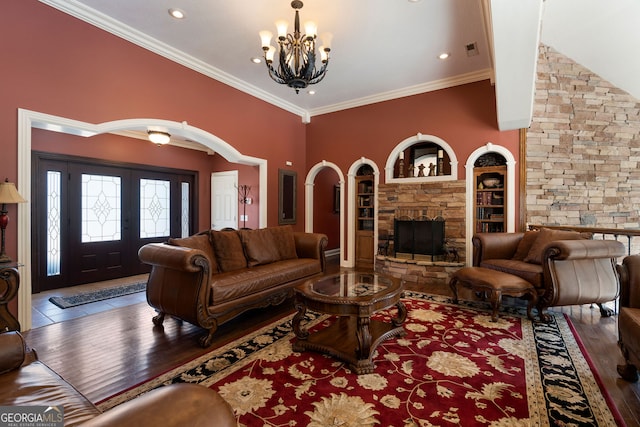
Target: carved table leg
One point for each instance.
(402, 314)
(363, 335)
(9, 284)
(301, 333)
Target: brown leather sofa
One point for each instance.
(25, 381)
(212, 277)
(565, 267)
(629, 318)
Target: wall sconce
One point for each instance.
(8, 194)
(159, 137)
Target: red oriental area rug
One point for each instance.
(454, 367)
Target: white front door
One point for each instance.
(224, 200)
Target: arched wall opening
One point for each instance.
(351, 208)
(309, 188)
(28, 120)
(511, 184)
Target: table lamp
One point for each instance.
(8, 194)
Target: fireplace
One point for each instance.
(418, 237)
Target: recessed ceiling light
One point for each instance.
(255, 60)
(415, 1)
(311, 92)
(443, 55)
(177, 13)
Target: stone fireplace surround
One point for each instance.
(445, 198)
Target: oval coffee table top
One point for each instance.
(350, 287)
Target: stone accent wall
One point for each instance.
(446, 198)
(583, 149)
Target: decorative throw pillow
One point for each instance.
(546, 236)
(259, 247)
(524, 246)
(228, 249)
(284, 241)
(199, 241)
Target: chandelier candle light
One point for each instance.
(297, 55)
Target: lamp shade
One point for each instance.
(9, 193)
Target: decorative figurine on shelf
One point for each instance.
(412, 171)
(432, 169)
(450, 252)
(421, 170)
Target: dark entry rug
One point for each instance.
(100, 295)
(453, 368)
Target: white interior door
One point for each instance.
(224, 200)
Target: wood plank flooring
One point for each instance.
(104, 353)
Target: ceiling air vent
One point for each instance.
(472, 49)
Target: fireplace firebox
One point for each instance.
(419, 237)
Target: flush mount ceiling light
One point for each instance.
(443, 55)
(177, 13)
(297, 53)
(159, 137)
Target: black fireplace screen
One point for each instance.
(423, 237)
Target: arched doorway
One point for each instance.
(28, 120)
(314, 171)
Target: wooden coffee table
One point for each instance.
(353, 297)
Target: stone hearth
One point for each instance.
(444, 198)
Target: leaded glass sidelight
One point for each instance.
(53, 223)
(184, 210)
(155, 196)
(101, 208)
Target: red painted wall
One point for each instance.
(463, 116)
(59, 65)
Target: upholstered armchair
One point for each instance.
(565, 267)
(629, 318)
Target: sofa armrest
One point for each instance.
(629, 272)
(174, 405)
(179, 282)
(311, 245)
(583, 249)
(168, 256)
(580, 272)
(12, 351)
(494, 246)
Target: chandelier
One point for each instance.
(297, 53)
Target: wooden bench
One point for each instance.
(494, 284)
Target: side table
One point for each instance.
(9, 284)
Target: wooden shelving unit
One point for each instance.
(365, 205)
(490, 212)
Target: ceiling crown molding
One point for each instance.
(407, 91)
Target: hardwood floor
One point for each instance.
(109, 351)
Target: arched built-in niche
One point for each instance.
(351, 208)
(413, 140)
(511, 191)
(28, 120)
(308, 201)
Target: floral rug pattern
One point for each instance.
(454, 367)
